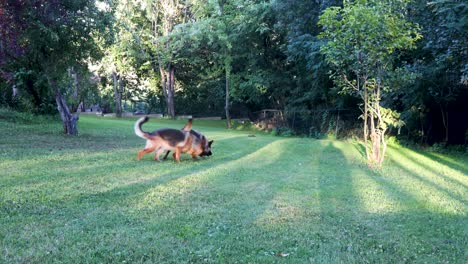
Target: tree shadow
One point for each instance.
(463, 167)
(81, 161)
(305, 198)
(373, 232)
(438, 181)
(237, 205)
(74, 177)
(183, 208)
(432, 164)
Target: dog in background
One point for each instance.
(199, 137)
(179, 141)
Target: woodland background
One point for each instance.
(233, 59)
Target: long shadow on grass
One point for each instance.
(337, 198)
(435, 183)
(197, 209)
(223, 207)
(256, 205)
(353, 233)
(118, 208)
(432, 164)
(432, 185)
(66, 166)
(461, 167)
(186, 168)
(415, 160)
(412, 230)
(72, 179)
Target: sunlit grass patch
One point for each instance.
(258, 199)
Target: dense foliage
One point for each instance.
(364, 37)
(233, 58)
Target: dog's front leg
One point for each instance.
(165, 156)
(177, 154)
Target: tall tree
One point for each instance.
(226, 51)
(58, 35)
(122, 56)
(164, 16)
(363, 37)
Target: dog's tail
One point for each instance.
(138, 131)
(188, 126)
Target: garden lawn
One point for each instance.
(259, 199)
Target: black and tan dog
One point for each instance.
(185, 140)
(199, 137)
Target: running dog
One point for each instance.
(180, 141)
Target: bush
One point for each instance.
(283, 131)
(23, 117)
(243, 125)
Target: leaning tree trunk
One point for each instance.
(69, 121)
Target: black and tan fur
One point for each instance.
(179, 141)
(198, 137)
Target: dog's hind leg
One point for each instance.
(145, 151)
(158, 153)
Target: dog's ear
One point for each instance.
(210, 142)
(188, 126)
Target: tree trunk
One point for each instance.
(164, 17)
(384, 147)
(118, 85)
(366, 117)
(444, 122)
(336, 125)
(76, 82)
(381, 132)
(168, 84)
(170, 93)
(69, 121)
(226, 107)
(421, 120)
(375, 140)
(378, 131)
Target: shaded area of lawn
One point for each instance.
(258, 199)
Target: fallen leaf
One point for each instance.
(281, 254)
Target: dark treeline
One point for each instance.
(234, 58)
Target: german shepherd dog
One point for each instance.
(180, 141)
(199, 136)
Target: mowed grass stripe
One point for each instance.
(258, 199)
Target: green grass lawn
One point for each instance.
(260, 199)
